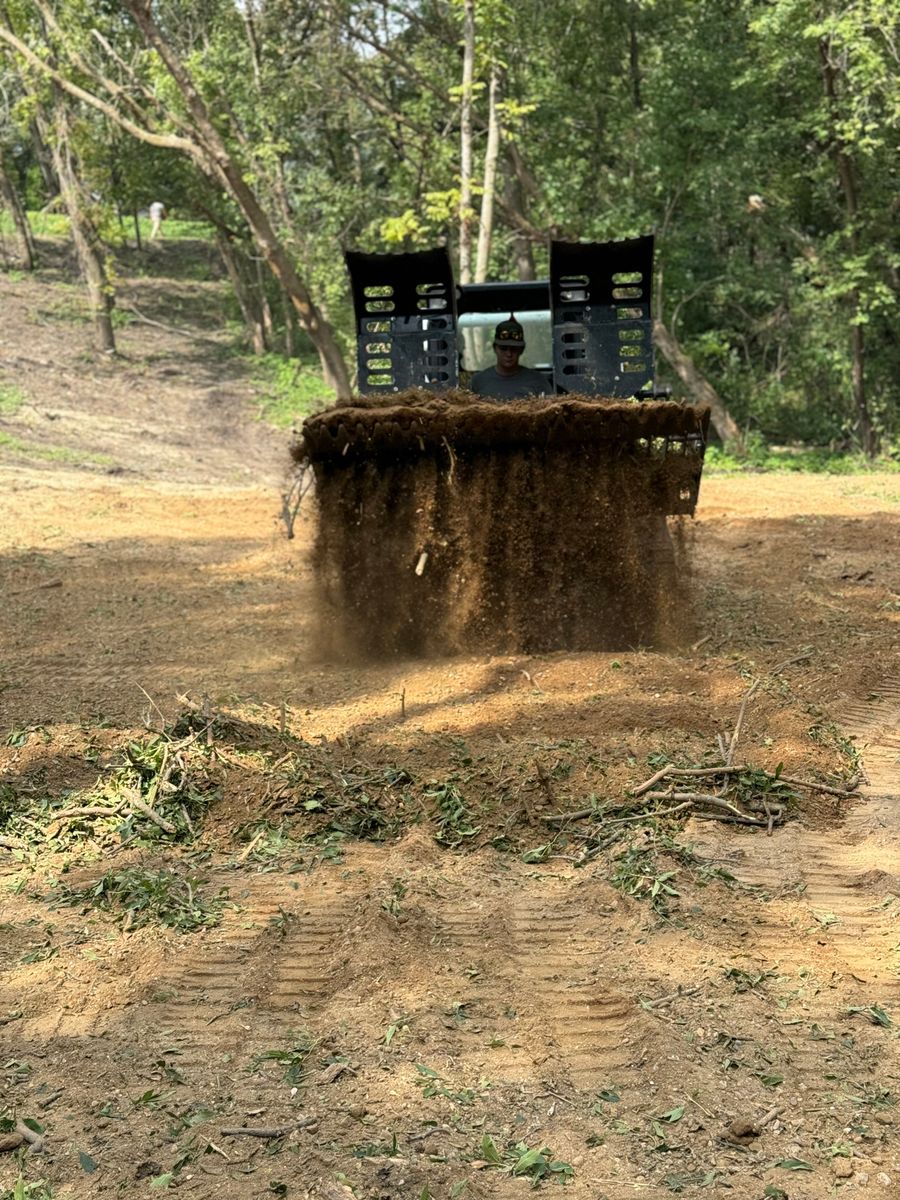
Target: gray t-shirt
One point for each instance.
(525, 382)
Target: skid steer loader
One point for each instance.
(450, 522)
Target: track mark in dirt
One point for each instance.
(875, 724)
(592, 1026)
(254, 987)
(827, 879)
(589, 1031)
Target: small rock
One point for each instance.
(358, 1111)
(742, 1131)
(883, 1178)
(862, 1178)
(144, 1170)
(841, 1168)
(10, 1141)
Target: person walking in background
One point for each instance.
(157, 216)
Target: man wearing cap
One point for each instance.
(508, 379)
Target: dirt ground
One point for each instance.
(408, 968)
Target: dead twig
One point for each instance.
(88, 810)
(649, 814)
(735, 737)
(572, 816)
(789, 662)
(819, 787)
(274, 1131)
(660, 774)
(292, 499)
(187, 333)
(151, 814)
(35, 1140)
(662, 1001)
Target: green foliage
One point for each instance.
(525, 1162)
(637, 873)
(290, 389)
(136, 898)
(23, 1190)
(759, 456)
(57, 454)
(454, 824)
(11, 399)
(691, 112)
(293, 1059)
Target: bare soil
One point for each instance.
(412, 958)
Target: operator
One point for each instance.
(508, 379)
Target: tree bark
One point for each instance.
(230, 174)
(697, 384)
(465, 155)
(492, 150)
(88, 246)
(24, 242)
(847, 180)
(252, 319)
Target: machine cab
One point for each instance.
(587, 327)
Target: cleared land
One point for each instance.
(380, 943)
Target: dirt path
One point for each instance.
(409, 999)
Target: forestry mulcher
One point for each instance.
(448, 521)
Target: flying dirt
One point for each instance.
(448, 525)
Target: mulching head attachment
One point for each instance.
(663, 442)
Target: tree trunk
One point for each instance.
(217, 160)
(91, 256)
(44, 160)
(252, 320)
(465, 155)
(847, 180)
(486, 225)
(698, 385)
(514, 208)
(9, 198)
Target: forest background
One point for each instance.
(756, 140)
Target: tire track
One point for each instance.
(251, 990)
(846, 881)
(588, 1032)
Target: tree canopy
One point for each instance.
(756, 139)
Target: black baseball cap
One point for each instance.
(510, 334)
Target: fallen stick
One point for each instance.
(275, 1131)
(818, 787)
(152, 815)
(251, 846)
(35, 1140)
(662, 1001)
(186, 333)
(572, 816)
(650, 814)
(683, 772)
(735, 737)
(660, 774)
(769, 1116)
(789, 662)
(88, 810)
(11, 844)
(731, 820)
(697, 798)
